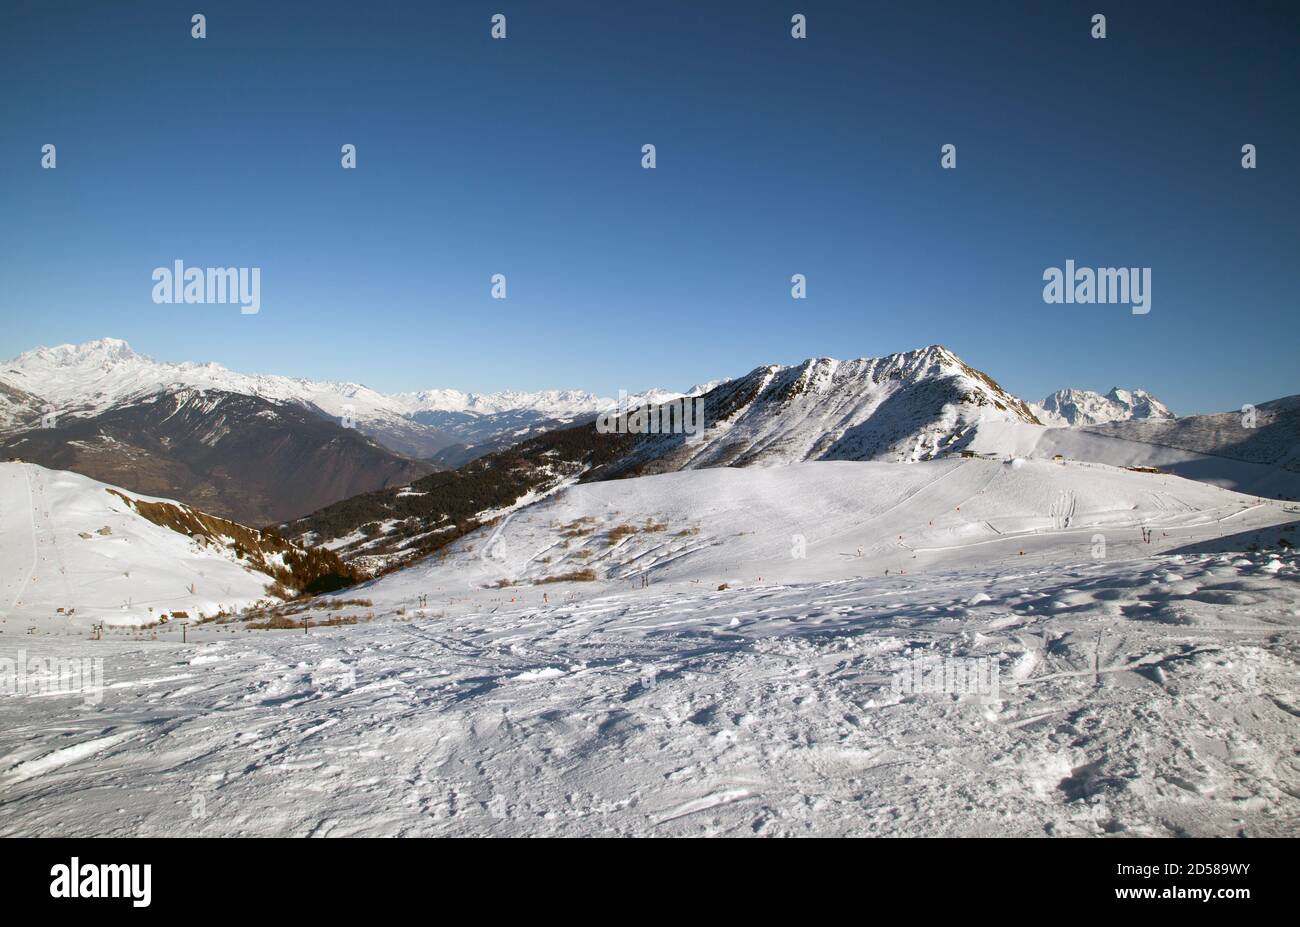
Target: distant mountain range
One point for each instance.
(257, 449)
(906, 407)
(87, 379)
(1068, 407)
(236, 456)
(909, 406)
(383, 478)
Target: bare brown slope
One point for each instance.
(297, 570)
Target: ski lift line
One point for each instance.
(106, 576)
(54, 543)
(54, 538)
(118, 606)
(1086, 529)
(137, 602)
(22, 587)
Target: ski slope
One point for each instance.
(1214, 465)
(1142, 697)
(832, 520)
(56, 554)
(707, 681)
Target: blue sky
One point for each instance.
(775, 157)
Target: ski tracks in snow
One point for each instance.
(1153, 697)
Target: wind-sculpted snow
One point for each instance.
(1147, 697)
(706, 673)
(909, 642)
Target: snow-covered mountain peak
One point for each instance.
(89, 356)
(1084, 407)
(826, 375)
(98, 374)
(1143, 404)
(90, 379)
(99, 353)
(902, 406)
(551, 401)
(699, 389)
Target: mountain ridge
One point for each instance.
(87, 379)
(104, 354)
(905, 406)
(1077, 407)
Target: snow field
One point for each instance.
(1146, 697)
(1148, 691)
(53, 555)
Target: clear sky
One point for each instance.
(775, 156)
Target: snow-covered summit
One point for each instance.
(102, 351)
(553, 401)
(1085, 407)
(903, 406)
(90, 377)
